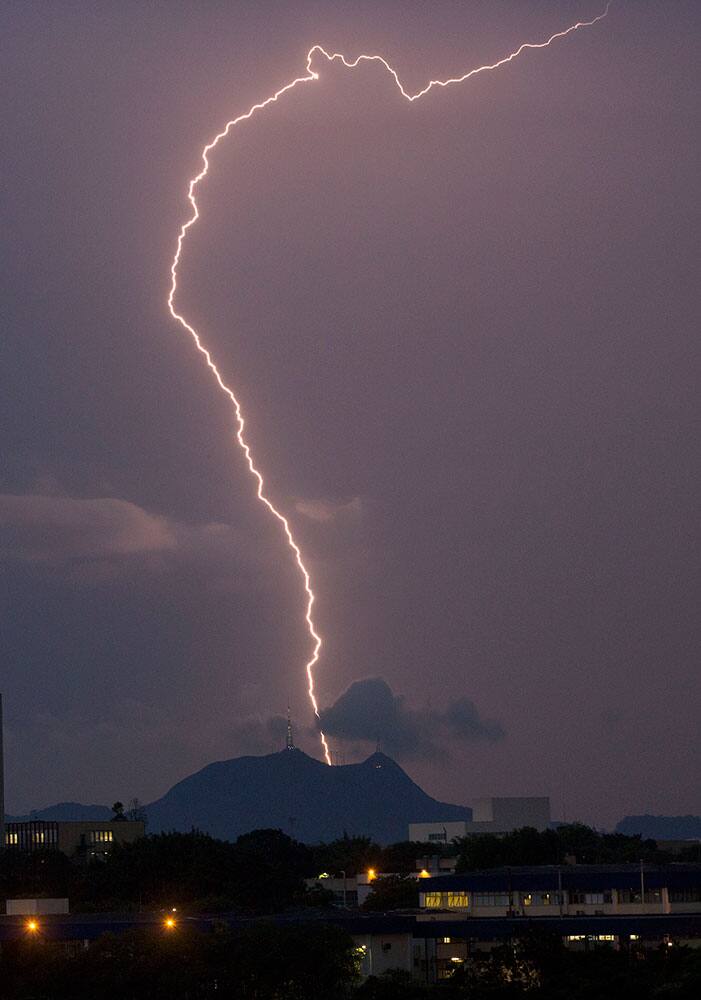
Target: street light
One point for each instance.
(32, 926)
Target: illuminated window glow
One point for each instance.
(457, 900)
(101, 836)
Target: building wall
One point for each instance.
(448, 905)
(504, 814)
(95, 838)
(379, 953)
(87, 839)
(489, 815)
(35, 907)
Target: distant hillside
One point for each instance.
(662, 827)
(307, 799)
(65, 811)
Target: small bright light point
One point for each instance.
(169, 923)
(32, 926)
(424, 874)
(324, 875)
(372, 874)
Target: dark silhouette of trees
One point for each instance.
(262, 962)
(528, 846)
(393, 892)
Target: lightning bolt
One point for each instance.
(309, 77)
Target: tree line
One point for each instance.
(264, 871)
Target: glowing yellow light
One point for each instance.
(371, 874)
(32, 926)
(324, 875)
(309, 77)
(169, 923)
(424, 874)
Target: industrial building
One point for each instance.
(489, 815)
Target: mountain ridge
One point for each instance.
(291, 791)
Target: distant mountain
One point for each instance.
(662, 827)
(298, 794)
(64, 811)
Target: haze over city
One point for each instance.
(464, 334)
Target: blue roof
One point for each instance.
(549, 877)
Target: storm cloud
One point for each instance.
(369, 711)
(57, 530)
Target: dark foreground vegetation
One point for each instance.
(317, 962)
(264, 871)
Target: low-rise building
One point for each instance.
(564, 890)
(76, 838)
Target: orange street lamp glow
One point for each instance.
(315, 54)
(169, 923)
(371, 874)
(32, 926)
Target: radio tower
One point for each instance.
(290, 742)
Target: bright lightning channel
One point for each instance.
(309, 77)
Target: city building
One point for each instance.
(82, 839)
(490, 815)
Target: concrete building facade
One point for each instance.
(497, 815)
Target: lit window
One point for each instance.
(12, 838)
(432, 900)
(457, 900)
(446, 940)
(38, 837)
(101, 836)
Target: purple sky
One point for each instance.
(465, 336)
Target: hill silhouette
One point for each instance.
(662, 827)
(302, 796)
(290, 791)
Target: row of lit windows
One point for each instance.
(49, 837)
(591, 937)
(101, 836)
(13, 839)
(443, 900)
(460, 900)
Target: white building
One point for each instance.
(490, 815)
